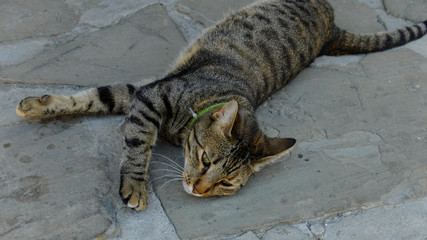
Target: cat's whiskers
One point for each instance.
(169, 181)
(166, 170)
(169, 159)
(165, 176)
(169, 165)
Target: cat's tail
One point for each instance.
(343, 42)
(114, 99)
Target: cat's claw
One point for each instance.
(134, 194)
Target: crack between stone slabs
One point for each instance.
(197, 13)
(326, 134)
(359, 99)
(335, 212)
(363, 66)
(52, 37)
(177, 26)
(385, 143)
(107, 67)
(62, 38)
(148, 32)
(122, 19)
(31, 220)
(387, 12)
(29, 39)
(12, 229)
(99, 153)
(380, 21)
(56, 39)
(107, 199)
(20, 82)
(172, 8)
(166, 213)
(370, 170)
(384, 6)
(55, 58)
(263, 228)
(356, 211)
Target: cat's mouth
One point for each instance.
(189, 190)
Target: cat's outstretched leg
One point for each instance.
(103, 100)
(139, 132)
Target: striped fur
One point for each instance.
(241, 61)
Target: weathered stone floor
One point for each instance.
(357, 172)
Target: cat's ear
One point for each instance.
(272, 150)
(226, 116)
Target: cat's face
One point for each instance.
(223, 149)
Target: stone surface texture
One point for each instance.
(358, 170)
(374, 224)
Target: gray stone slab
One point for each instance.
(285, 232)
(60, 179)
(304, 229)
(104, 13)
(359, 121)
(142, 47)
(209, 12)
(153, 222)
(247, 236)
(17, 52)
(192, 17)
(391, 22)
(52, 186)
(347, 17)
(403, 221)
(375, 4)
(413, 10)
(21, 19)
(317, 229)
(52, 182)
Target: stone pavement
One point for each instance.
(359, 170)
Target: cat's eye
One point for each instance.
(206, 162)
(225, 183)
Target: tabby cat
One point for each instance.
(206, 102)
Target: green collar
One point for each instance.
(196, 116)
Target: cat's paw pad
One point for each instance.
(134, 194)
(34, 107)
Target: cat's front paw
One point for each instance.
(34, 107)
(133, 193)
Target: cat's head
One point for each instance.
(223, 149)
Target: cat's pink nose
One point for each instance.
(200, 188)
(195, 190)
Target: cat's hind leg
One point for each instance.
(103, 100)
